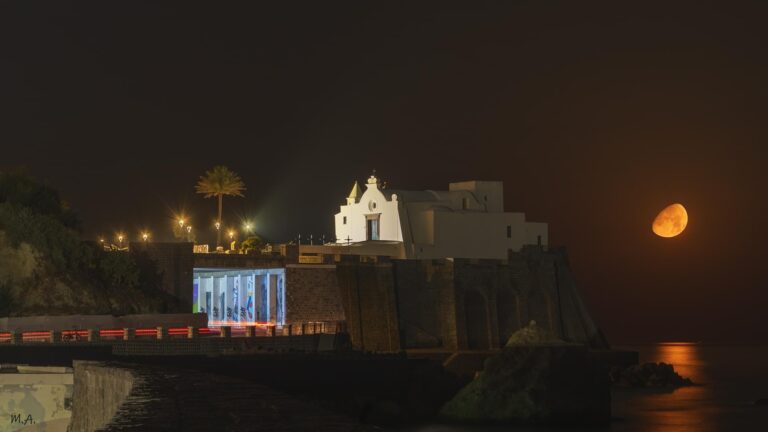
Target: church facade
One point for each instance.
(466, 221)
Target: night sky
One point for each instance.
(595, 117)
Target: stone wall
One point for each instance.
(426, 304)
(392, 304)
(312, 294)
(99, 392)
(217, 396)
(462, 304)
(175, 262)
(370, 303)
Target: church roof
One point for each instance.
(355, 192)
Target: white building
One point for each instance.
(466, 221)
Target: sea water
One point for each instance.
(730, 380)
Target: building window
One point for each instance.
(464, 203)
(509, 231)
(344, 220)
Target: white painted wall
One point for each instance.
(372, 202)
(466, 221)
(473, 235)
(489, 194)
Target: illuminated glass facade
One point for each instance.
(240, 297)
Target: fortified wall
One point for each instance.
(393, 304)
(461, 304)
(311, 293)
(174, 263)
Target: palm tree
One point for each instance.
(218, 182)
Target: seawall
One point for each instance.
(461, 304)
(99, 393)
(111, 396)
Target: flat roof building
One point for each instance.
(466, 221)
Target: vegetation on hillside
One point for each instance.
(45, 268)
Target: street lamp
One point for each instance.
(189, 229)
(145, 236)
(181, 222)
(120, 239)
(231, 235)
(248, 227)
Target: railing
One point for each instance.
(161, 333)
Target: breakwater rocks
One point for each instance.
(123, 397)
(654, 375)
(535, 384)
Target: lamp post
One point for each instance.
(181, 222)
(120, 240)
(145, 236)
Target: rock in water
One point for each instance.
(658, 375)
(532, 334)
(535, 384)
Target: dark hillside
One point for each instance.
(46, 269)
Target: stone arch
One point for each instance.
(508, 313)
(478, 330)
(539, 306)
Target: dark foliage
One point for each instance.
(71, 276)
(19, 189)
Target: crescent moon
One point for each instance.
(671, 221)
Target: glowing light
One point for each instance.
(220, 323)
(145, 236)
(181, 222)
(217, 225)
(36, 333)
(671, 221)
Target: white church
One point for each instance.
(466, 221)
